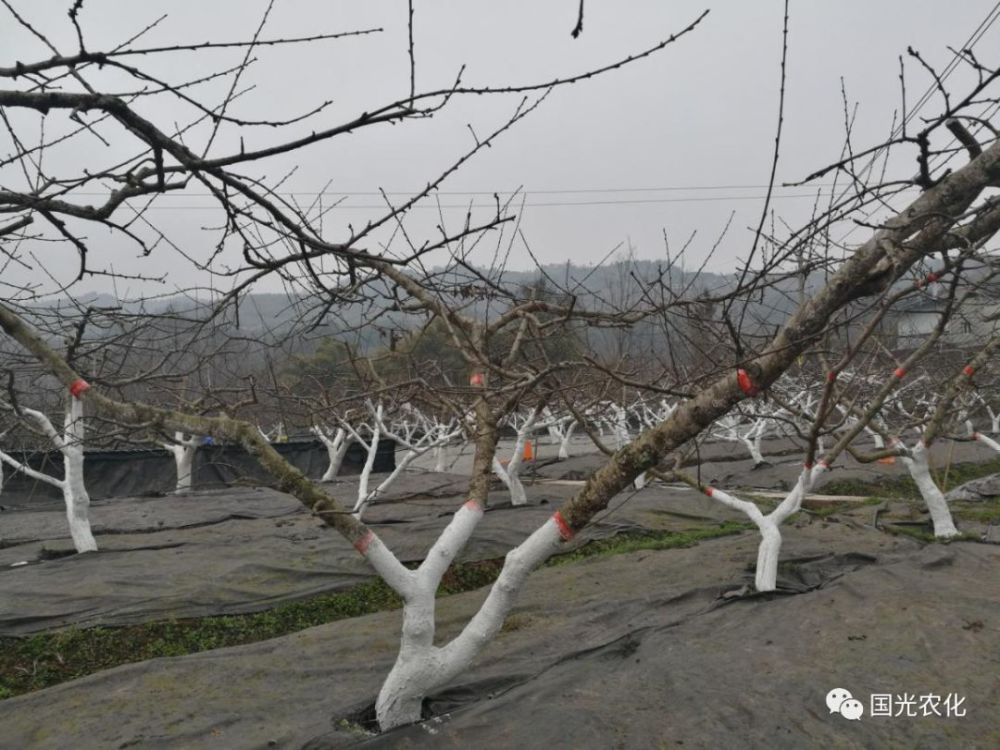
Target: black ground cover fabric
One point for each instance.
(728, 465)
(245, 549)
(152, 472)
(644, 650)
(984, 488)
(648, 649)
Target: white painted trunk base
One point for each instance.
(184, 459)
(511, 479)
(916, 463)
(422, 667)
(336, 449)
(74, 490)
(769, 549)
(510, 474)
(183, 449)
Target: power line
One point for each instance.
(565, 191)
(539, 204)
(974, 38)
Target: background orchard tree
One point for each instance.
(70, 443)
(121, 350)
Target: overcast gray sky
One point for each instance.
(676, 142)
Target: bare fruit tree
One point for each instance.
(512, 343)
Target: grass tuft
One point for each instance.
(903, 488)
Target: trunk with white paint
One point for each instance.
(734, 428)
(510, 474)
(988, 442)
(564, 442)
(421, 667)
(753, 438)
(75, 491)
(416, 434)
(336, 449)
(72, 486)
(769, 549)
(183, 450)
(916, 463)
(371, 446)
(561, 431)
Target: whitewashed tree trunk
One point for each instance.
(994, 415)
(437, 436)
(769, 550)
(366, 471)
(994, 419)
(401, 465)
(876, 438)
(434, 436)
(74, 491)
(511, 480)
(421, 667)
(752, 440)
(564, 441)
(510, 474)
(916, 463)
(336, 449)
(560, 431)
(752, 437)
(183, 450)
(988, 442)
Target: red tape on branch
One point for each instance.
(477, 380)
(899, 373)
(968, 371)
(746, 384)
(472, 505)
(708, 490)
(364, 542)
(77, 387)
(831, 376)
(564, 530)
